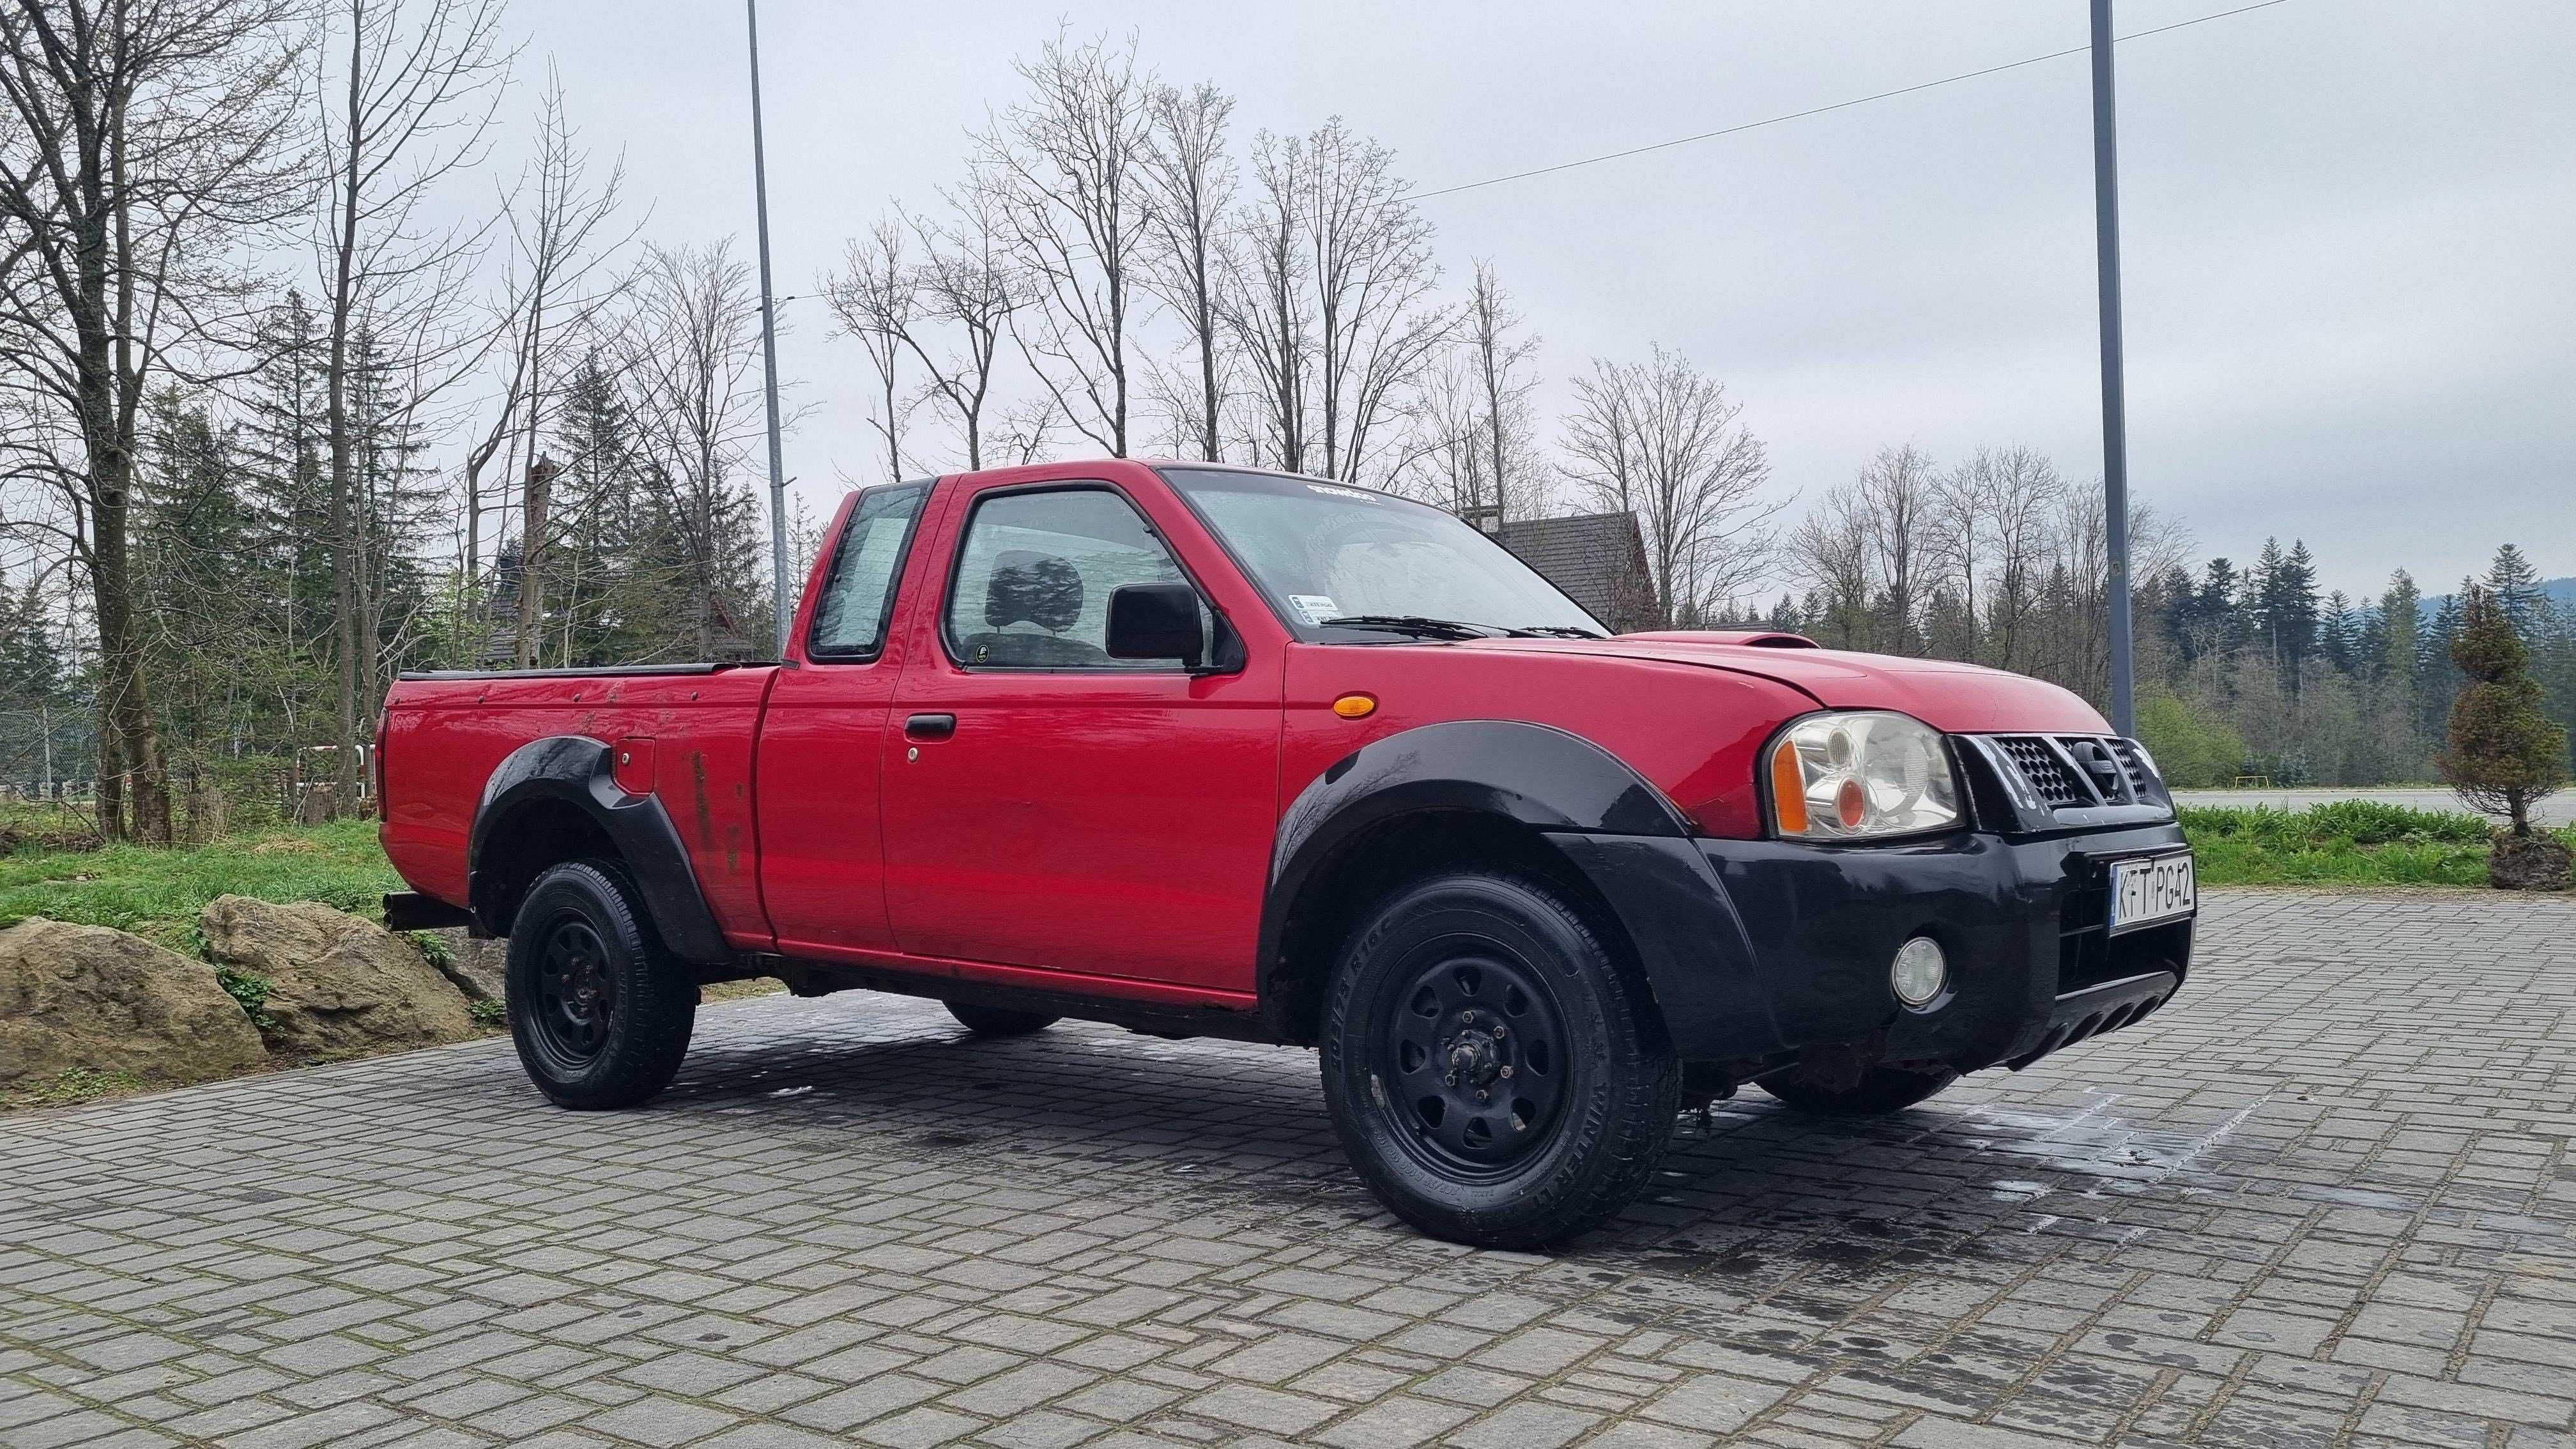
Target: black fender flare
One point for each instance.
(582, 772)
(1634, 847)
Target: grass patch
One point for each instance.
(2347, 842)
(77, 1084)
(157, 893)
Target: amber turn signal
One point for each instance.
(1788, 789)
(1355, 706)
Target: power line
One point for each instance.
(1821, 110)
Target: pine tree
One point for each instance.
(2505, 754)
(2516, 586)
(2401, 611)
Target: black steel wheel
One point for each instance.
(1471, 1047)
(1495, 1069)
(999, 1020)
(576, 997)
(600, 1012)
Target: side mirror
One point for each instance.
(1156, 621)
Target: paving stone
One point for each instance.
(2327, 1195)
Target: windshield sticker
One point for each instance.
(1330, 490)
(1316, 607)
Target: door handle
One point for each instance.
(929, 726)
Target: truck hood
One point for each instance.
(1951, 697)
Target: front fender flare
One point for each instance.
(1610, 824)
(580, 771)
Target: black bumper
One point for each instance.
(1761, 949)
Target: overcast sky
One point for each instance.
(2348, 225)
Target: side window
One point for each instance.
(1034, 575)
(858, 593)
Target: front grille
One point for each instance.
(2135, 767)
(2099, 767)
(2049, 777)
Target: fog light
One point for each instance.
(1918, 973)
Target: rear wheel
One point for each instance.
(999, 1021)
(600, 1012)
(1493, 1070)
(1879, 1091)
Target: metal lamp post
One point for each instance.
(768, 350)
(2115, 419)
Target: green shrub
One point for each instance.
(252, 992)
(2192, 746)
(489, 1011)
(2347, 842)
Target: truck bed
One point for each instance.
(691, 727)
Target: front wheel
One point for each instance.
(1492, 1068)
(600, 1012)
(1879, 1091)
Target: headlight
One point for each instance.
(1859, 775)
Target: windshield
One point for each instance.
(1326, 552)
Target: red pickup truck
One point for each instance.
(1203, 750)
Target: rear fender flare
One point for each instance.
(580, 771)
(1607, 822)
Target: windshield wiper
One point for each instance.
(1414, 624)
(1555, 631)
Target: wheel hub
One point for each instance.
(1471, 1058)
(576, 998)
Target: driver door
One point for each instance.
(1048, 806)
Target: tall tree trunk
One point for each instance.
(344, 542)
(128, 709)
(532, 558)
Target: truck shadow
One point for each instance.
(1753, 1201)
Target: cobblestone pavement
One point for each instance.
(2325, 1197)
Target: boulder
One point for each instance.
(88, 997)
(338, 985)
(476, 965)
(2530, 863)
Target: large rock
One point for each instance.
(337, 985)
(88, 997)
(475, 965)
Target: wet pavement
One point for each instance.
(2324, 1197)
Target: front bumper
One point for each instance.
(1758, 951)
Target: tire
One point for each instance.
(999, 1021)
(1880, 1091)
(1500, 982)
(599, 1010)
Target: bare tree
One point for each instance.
(562, 247)
(2022, 495)
(1500, 351)
(1191, 183)
(418, 86)
(1830, 551)
(1987, 515)
(1268, 301)
(1897, 490)
(691, 354)
(1663, 441)
(145, 138)
(966, 282)
(1373, 274)
(1066, 170)
(876, 297)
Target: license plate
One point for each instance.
(2145, 892)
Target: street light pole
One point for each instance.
(2115, 407)
(768, 350)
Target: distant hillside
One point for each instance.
(2561, 592)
